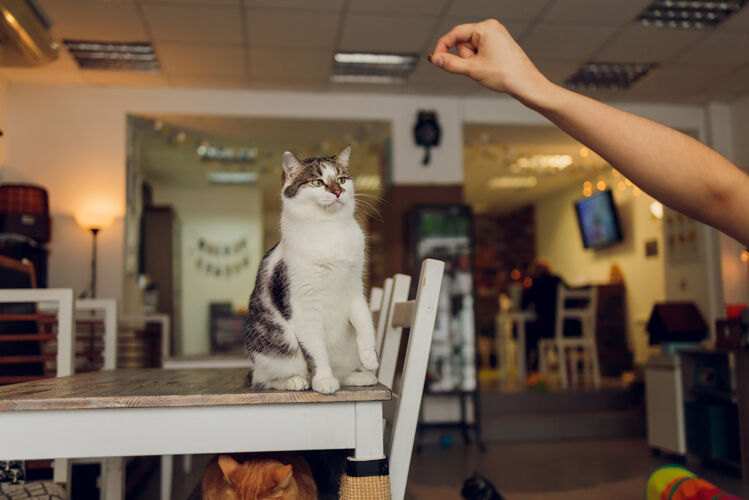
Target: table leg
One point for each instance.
(367, 471)
(61, 471)
(522, 375)
(369, 443)
(167, 466)
(113, 478)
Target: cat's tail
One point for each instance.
(248, 378)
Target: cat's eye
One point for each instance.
(316, 182)
(341, 180)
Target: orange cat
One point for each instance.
(283, 476)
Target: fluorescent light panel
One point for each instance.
(689, 14)
(113, 56)
(360, 67)
(613, 76)
(511, 182)
(219, 177)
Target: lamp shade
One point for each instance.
(94, 220)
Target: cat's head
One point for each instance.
(262, 479)
(318, 187)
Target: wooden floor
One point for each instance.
(146, 388)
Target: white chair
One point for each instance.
(99, 310)
(375, 299)
(381, 315)
(511, 352)
(402, 412)
(573, 349)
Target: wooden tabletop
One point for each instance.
(156, 387)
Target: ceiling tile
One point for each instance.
(288, 84)
(729, 86)
(188, 59)
(116, 22)
(615, 12)
(647, 44)
(208, 81)
(428, 78)
(516, 28)
(297, 4)
(301, 65)
(365, 88)
(738, 23)
(718, 49)
(124, 79)
(426, 7)
(502, 10)
(556, 42)
(673, 83)
(193, 23)
(556, 72)
(292, 28)
(404, 33)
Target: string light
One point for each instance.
(636, 191)
(621, 186)
(515, 274)
(584, 152)
(601, 185)
(745, 256)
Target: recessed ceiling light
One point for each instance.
(689, 13)
(512, 182)
(219, 177)
(359, 67)
(613, 76)
(113, 56)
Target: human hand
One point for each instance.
(488, 54)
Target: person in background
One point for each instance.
(670, 166)
(540, 297)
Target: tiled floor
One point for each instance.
(616, 469)
(580, 470)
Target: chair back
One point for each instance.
(579, 304)
(375, 300)
(381, 320)
(389, 340)
(402, 412)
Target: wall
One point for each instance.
(72, 140)
(222, 215)
(558, 239)
(3, 107)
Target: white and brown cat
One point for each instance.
(308, 322)
(278, 476)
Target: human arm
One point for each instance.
(669, 165)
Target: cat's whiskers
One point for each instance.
(361, 205)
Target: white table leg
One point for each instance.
(113, 478)
(368, 433)
(167, 465)
(187, 463)
(61, 471)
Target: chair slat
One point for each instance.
(33, 358)
(43, 318)
(31, 337)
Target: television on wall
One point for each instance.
(598, 220)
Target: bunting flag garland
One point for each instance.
(221, 259)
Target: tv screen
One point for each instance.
(598, 220)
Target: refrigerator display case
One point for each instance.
(445, 232)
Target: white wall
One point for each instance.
(72, 140)
(558, 239)
(221, 215)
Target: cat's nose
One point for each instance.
(337, 194)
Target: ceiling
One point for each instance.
(289, 44)
(490, 149)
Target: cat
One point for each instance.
(309, 323)
(283, 476)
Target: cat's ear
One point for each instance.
(282, 476)
(227, 465)
(290, 164)
(342, 157)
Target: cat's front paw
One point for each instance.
(360, 379)
(325, 385)
(297, 383)
(368, 360)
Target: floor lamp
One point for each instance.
(94, 223)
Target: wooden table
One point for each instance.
(167, 412)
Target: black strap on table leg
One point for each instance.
(366, 468)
